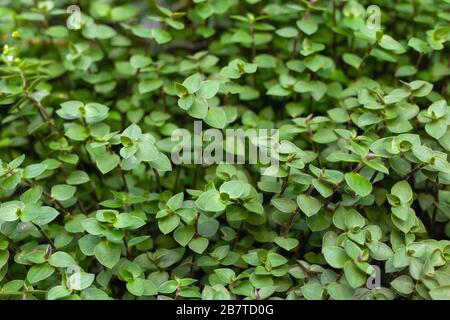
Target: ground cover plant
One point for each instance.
(93, 205)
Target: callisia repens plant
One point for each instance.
(224, 149)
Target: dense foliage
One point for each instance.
(93, 207)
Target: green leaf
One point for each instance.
(210, 201)
(12, 181)
(403, 284)
(276, 259)
(286, 243)
(389, 43)
(208, 89)
(77, 177)
(284, 204)
(335, 256)
(403, 191)
(17, 162)
(308, 204)
(359, 184)
(204, 10)
(418, 45)
(123, 13)
(183, 235)
(440, 293)
(58, 292)
(377, 165)
(38, 273)
(9, 213)
(242, 36)
(438, 109)
(4, 256)
(98, 31)
(107, 253)
(71, 110)
(107, 162)
(147, 151)
(312, 291)
(80, 280)
(420, 88)
(436, 128)
(140, 61)
(61, 260)
(168, 224)
(142, 287)
(198, 245)
(230, 72)
(352, 60)
(207, 227)
(149, 85)
(235, 189)
(63, 192)
(216, 117)
(161, 36)
(355, 277)
(287, 32)
(175, 202)
(340, 291)
(57, 32)
(44, 215)
(142, 32)
(396, 95)
(186, 102)
(307, 26)
(95, 112)
(278, 91)
(193, 83)
(87, 244)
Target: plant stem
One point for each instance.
(158, 179)
(294, 46)
(334, 34)
(47, 238)
(14, 246)
(124, 180)
(291, 222)
(127, 247)
(436, 199)
(285, 183)
(50, 198)
(177, 178)
(366, 55)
